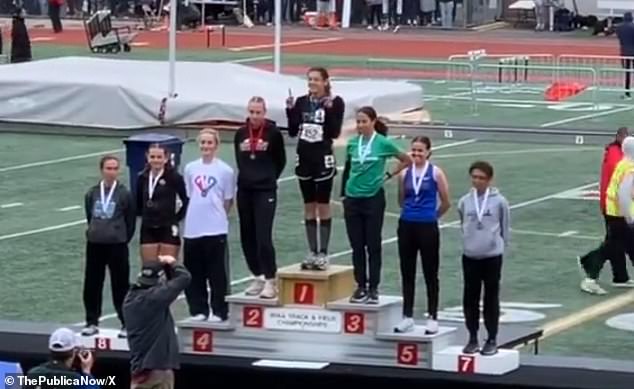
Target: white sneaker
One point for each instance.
(370, 28)
(591, 286)
(269, 291)
(321, 262)
(626, 284)
(255, 288)
(90, 330)
(406, 325)
(214, 319)
(431, 327)
(199, 317)
(309, 261)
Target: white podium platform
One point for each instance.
(453, 360)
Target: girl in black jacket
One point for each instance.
(158, 188)
(259, 149)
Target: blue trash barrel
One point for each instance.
(137, 146)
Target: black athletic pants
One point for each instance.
(99, 256)
(628, 64)
(481, 272)
(364, 223)
(53, 13)
(414, 239)
(256, 210)
(618, 236)
(206, 260)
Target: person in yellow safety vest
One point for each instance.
(619, 207)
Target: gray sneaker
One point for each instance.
(90, 330)
(321, 262)
(309, 261)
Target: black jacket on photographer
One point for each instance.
(56, 369)
(149, 322)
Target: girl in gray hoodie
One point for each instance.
(485, 221)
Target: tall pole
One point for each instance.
(278, 37)
(171, 87)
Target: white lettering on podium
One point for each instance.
(306, 320)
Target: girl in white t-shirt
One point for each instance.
(210, 184)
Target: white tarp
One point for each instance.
(126, 94)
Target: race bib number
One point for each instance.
(320, 116)
(312, 133)
(329, 161)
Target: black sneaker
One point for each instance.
(373, 296)
(123, 334)
(472, 347)
(359, 296)
(490, 348)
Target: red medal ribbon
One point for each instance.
(254, 137)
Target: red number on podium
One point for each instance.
(102, 344)
(202, 340)
(354, 323)
(407, 354)
(304, 293)
(466, 364)
(252, 317)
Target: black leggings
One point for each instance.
(256, 210)
(479, 272)
(628, 64)
(206, 259)
(618, 239)
(415, 238)
(116, 258)
(364, 223)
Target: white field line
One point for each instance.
(588, 116)
(59, 160)
(286, 44)
(11, 205)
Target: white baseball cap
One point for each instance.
(63, 340)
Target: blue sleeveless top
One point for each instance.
(424, 207)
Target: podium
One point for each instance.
(314, 287)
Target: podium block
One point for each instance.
(106, 340)
(312, 287)
(376, 318)
(453, 360)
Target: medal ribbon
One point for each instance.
(254, 137)
(364, 151)
(105, 200)
(417, 183)
(151, 183)
(480, 209)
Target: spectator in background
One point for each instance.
(154, 352)
(446, 12)
(427, 9)
(374, 18)
(625, 33)
(541, 13)
(54, 9)
(67, 359)
(20, 41)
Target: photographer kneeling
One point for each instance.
(68, 360)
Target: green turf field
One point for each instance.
(43, 179)
(42, 232)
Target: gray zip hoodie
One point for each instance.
(492, 239)
(117, 223)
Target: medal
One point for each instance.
(417, 183)
(480, 209)
(254, 139)
(151, 186)
(252, 156)
(364, 151)
(105, 200)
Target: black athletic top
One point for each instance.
(260, 156)
(316, 126)
(160, 210)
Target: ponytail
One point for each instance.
(379, 123)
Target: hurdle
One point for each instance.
(209, 30)
(513, 64)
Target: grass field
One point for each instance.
(43, 180)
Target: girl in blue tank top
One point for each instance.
(424, 198)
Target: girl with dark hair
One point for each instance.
(485, 220)
(317, 118)
(158, 188)
(111, 217)
(261, 158)
(420, 188)
(364, 201)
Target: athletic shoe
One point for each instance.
(90, 330)
(406, 325)
(472, 347)
(370, 28)
(373, 296)
(591, 286)
(431, 327)
(269, 291)
(214, 319)
(490, 348)
(198, 317)
(321, 262)
(255, 288)
(626, 284)
(359, 296)
(309, 261)
(123, 334)
(398, 27)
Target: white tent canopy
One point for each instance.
(127, 94)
